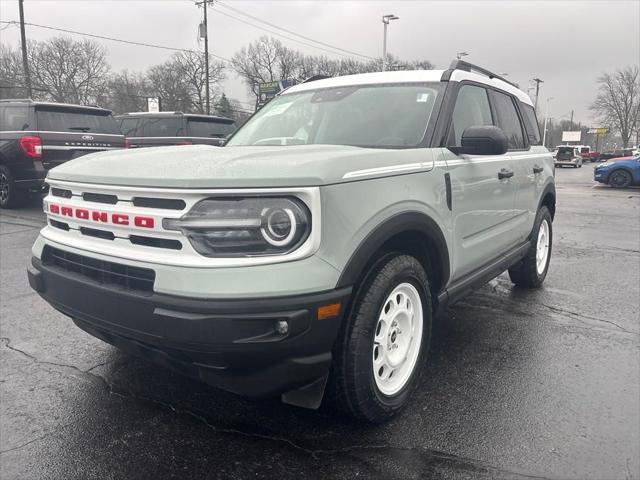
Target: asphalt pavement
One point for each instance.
(518, 384)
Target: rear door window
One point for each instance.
(163, 127)
(472, 109)
(129, 127)
(14, 118)
(55, 120)
(531, 124)
(508, 119)
(199, 128)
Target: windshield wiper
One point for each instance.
(82, 129)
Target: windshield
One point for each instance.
(76, 121)
(379, 116)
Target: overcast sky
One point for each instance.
(565, 43)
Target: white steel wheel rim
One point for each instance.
(542, 248)
(397, 339)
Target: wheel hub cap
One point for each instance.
(542, 247)
(4, 187)
(397, 339)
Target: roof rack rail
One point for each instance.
(470, 67)
(315, 77)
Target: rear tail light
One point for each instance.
(31, 146)
(185, 142)
(127, 143)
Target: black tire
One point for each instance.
(10, 196)
(352, 387)
(620, 178)
(525, 273)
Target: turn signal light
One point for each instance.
(31, 146)
(328, 311)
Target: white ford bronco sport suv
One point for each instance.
(311, 252)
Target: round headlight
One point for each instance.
(279, 226)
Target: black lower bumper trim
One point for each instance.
(232, 344)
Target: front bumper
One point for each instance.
(231, 344)
(600, 176)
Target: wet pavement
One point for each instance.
(519, 384)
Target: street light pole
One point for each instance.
(25, 62)
(538, 82)
(385, 20)
(546, 120)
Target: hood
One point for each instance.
(204, 166)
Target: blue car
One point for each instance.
(619, 173)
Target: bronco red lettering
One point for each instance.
(120, 219)
(66, 211)
(99, 217)
(144, 222)
(82, 213)
(53, 208)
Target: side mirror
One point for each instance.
(484, 140)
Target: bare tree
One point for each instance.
(66, 70)
(267, 60)
(127, 92)
(180, 81)
(618, 101)
(262, 61)
(11, 74)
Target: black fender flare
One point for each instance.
(549, 188)
(402, 222)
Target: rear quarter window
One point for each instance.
(56, 120)
(14, 118)
(530, 123)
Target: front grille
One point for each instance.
(61, 192)
(100, 198)
(100, 271)
(165, 203)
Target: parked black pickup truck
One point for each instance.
(144, 129)
(37, 136)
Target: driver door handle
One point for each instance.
(505, 173)
(537, 169)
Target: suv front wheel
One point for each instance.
(383, 345)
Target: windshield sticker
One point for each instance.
(278, 109)
(422, 97)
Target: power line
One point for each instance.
(281, 35)
(113, 39)
(240, 12)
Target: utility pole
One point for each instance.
(25, 62)
(571, 121)
(206, 53)
(546, 121)
(538, 82)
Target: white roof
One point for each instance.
(408, 76)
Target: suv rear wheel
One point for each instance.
(10, 197)
(531, 271)
(383, 345)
